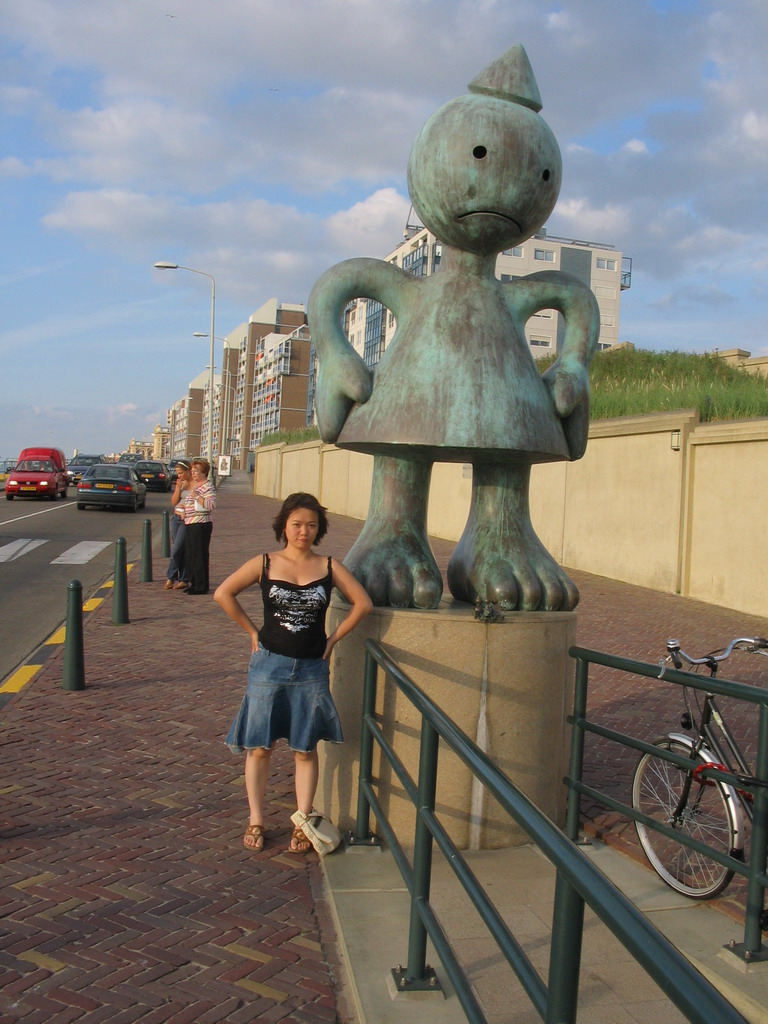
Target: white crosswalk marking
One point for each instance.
(17, 548)
(81, 553)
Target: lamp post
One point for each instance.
(162, 265)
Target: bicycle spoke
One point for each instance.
(706, 816)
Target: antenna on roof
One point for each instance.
(410, 229)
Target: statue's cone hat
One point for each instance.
(509, 77)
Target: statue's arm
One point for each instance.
(343, 378)
(568, 377)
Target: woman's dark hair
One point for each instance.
(301, 500)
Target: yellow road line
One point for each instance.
(23, 675)
(19, 678)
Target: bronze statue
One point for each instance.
(458, 382)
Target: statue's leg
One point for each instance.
(499, 558)
(392, 557)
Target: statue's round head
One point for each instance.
(484, 173)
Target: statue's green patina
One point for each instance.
(458, 383)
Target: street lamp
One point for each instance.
(162, 265)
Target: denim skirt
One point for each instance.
(286, 698)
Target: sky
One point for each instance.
(262, 142)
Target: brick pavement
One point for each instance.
(127, 893)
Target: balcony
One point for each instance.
(626, 272)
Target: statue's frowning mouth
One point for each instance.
(490, 213)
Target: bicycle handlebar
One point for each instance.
(753, 644)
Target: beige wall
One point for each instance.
(302, 469)
(266, 475)
(659, 501)
(346, 482)
(726, 536)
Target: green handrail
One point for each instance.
(754, 870)
(579, 882)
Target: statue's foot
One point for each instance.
(523, 578)
(397, 569)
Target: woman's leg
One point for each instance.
(306, 775)
(256, 776)
(176, 564)
(207, 531)
(193, 556)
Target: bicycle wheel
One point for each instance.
(708, 816)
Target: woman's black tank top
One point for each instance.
(294, 615)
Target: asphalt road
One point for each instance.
(37, 562)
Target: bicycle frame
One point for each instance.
(726, 750)
(727, 753)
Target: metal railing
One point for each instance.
(755, 868)
(578, 881)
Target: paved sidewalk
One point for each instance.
(127, 894)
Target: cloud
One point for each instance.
(578, 217)
(693, 297)
(13, 167)
(117, 412)
(373, 226)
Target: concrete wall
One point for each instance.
(660, 501)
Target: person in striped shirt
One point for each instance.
(198, 506)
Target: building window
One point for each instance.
(374, 333)
(544, 314)
(607, 321)
(415, 262)
(605, 264)
(516, 250)
(539, 342)
(548, 255)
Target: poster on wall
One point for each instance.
(224, 468)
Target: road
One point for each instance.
(37, 561)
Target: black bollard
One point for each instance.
(165, 535)
(146, 553)
(120, 585)
(74, 658)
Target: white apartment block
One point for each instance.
(370, 327)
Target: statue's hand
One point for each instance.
(568, 383)
(342, 381)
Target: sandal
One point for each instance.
(254, 833)
(299, 842)
(181, 585)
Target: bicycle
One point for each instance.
(712, 811)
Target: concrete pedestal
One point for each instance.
(508, 685)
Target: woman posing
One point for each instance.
(176, 576)
(198, 506)
(288, 695)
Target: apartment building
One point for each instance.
(370, 327)
(280, 383)
(185, 420)
(271, 371)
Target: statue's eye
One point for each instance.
(545, 175)
(479, 152)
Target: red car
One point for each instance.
(39, 473)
